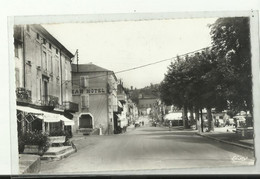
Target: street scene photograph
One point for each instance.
(134, 95)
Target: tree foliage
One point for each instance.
(217, 77)
(231, 40)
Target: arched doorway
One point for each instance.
(86, 121)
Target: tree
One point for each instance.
(231, 40)
(192, 83)
(218, 78)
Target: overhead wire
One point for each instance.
(142, 66)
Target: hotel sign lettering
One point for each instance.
(79, 91)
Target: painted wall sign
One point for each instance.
(79, 91)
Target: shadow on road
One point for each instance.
(189, 137)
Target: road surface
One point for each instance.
(148, 147)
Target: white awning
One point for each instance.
(46, 116)
(29, 110)
(173, 116)
(67, 122)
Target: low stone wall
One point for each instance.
(29, 164)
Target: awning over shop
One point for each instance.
(46, 116)
(173, 116)
(67, 122)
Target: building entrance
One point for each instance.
(85, 121)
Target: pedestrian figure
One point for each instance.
(170, 126)
(142, 123)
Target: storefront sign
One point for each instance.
(79, 91)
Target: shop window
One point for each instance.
(37, 125)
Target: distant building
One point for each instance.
(95, 89)
(146, 103)
(42, 69)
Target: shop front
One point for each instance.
(30, 119)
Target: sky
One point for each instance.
(124, 45)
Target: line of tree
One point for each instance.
(218, 77)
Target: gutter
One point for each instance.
(23, 60)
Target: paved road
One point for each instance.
(148, 148)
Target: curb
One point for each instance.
(231, 143)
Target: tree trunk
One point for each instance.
(185, 118)
(201, 120)
(210, 120)
(192, 120)
(197, 119)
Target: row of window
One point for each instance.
(44, 41)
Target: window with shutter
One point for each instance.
(87, 100)
(82, 81)
(86, 81)
(83, 101)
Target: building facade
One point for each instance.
(42, 70)
(146, 104)
(121, 116)
(95, 89)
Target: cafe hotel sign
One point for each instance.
(79, 91)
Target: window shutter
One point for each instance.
(86, 81)
(83, 102)
(87, 101)
(82, 81)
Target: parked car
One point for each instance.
(240, 121)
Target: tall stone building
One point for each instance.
(95, 89)
(42, 76)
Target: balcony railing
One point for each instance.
(49, 100)
(70, 106)
(23, 95)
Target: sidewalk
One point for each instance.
(226, 135)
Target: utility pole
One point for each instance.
(77, 53)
